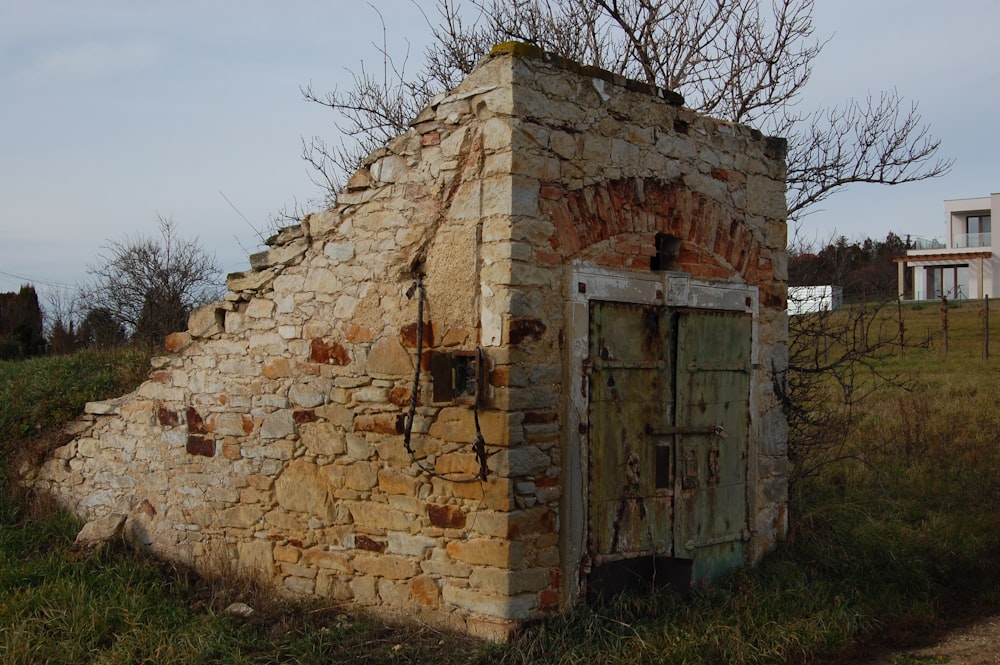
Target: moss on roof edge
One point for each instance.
(522, 50)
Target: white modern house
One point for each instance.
(964, 265)
(812, 299)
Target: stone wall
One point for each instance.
(272, 436)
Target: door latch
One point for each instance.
(711, 430)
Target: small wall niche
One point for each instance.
(456, 376)
(667, 248)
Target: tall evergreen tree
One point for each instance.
(21, 324)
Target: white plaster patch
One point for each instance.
(339, 251)
(599, 87)
(491, 323)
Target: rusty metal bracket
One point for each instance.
(711, 430)
(718, 367)
(691, 544)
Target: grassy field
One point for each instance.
(891, 545)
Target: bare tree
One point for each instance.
(148, 285)
(375, 109)
(835, 364)
(742, 60)
(61, 314)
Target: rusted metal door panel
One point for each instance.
(669, 425)
(713, 387)
(631, 393)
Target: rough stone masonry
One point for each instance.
(271, 438)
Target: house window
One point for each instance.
(977, 230)
(977, 224)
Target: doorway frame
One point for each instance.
(585, 283)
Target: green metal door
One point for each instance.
(631, 392)
(712, 416)
(668, 429)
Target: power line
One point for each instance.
(32, 280)
(233, 206)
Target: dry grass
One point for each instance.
(888, 547)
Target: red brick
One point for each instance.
(519, 330)
(611, 260)
(408, 335)
(445, 517)
(319, 353)
(500, 376)
(338, 354)
(198, 445)
(304, 416)
(541, 416)
(400, 396)
(195, 423)
(363, 542)
(166, 417)
(552, 192)
(548, 258)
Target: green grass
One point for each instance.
(39, 393)
(887, 549)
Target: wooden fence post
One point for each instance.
(902, 328)
(986, 328)
(944, 322)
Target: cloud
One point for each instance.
(93, 60)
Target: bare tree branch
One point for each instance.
(833, 367)
(742, 60)
(880, 141)
(149, 285)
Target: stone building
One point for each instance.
(584, 280)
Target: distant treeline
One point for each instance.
(22, 329)
(863, 269)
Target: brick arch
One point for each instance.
(614, 223)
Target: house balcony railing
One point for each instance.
(963, 240)
(926, 243)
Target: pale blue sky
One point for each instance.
(113, 112)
